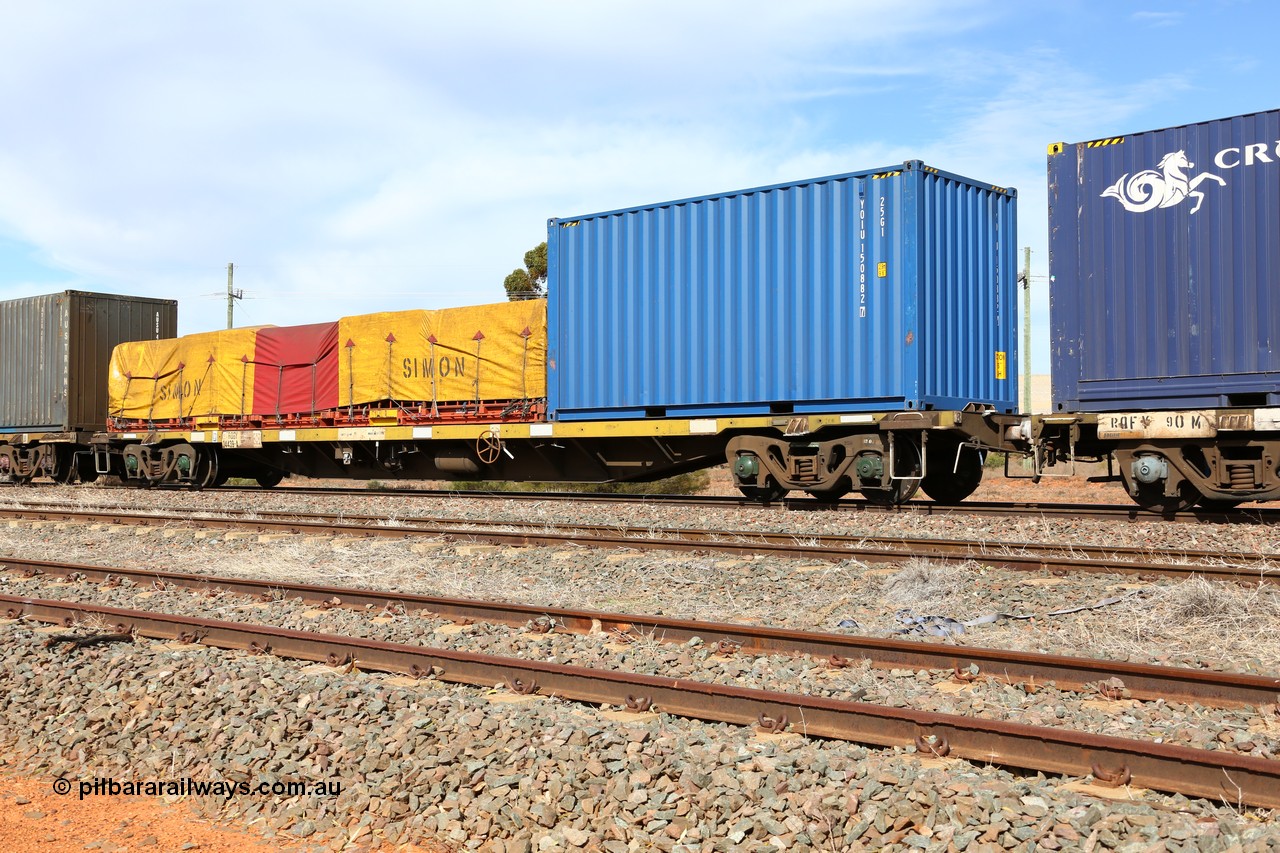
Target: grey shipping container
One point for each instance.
(1164, 251)
(55, 350)
(879, 290)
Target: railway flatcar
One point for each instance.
(1165, 312)
(54, 351)
(846, 333)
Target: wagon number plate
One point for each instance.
(1157, 425)
(247, 438)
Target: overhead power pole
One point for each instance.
(1026, 329)
(233, 295)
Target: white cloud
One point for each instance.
(1157, 19)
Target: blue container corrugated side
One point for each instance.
(880, 290)
(1165, 267)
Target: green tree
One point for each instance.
(530, 282)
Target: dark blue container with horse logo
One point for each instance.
(1164, 252)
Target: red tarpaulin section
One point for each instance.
(296, 369)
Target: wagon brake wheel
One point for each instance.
(488, 447)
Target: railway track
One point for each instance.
(1107, 512)
(1145, 682)
(1020, 556)
(1213, 774)
(1112, 512)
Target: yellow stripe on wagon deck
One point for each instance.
(552, 429)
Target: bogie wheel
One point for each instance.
(899, 492)
(828, 495)
(206, 473)
(943, 484)
(86, 469)
(1152, 498)
(66, 472)
(768, 493)
(833, 494)
(906, 466)
(269, 479)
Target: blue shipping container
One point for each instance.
(1165, 260)
(880, 290)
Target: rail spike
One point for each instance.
(638, 704)
(772, 725)
(932, 744)
(521, 687)
(1111, 778)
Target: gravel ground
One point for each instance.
(425, 760)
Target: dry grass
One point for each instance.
(1216, 609)
(924, 584)
(1223, 625)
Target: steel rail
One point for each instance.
(1117, 511)
(940, 547)
(1142, 681)
(1019, 556)
(1112, 512)
(1212, 774)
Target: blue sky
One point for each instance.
(362, 157)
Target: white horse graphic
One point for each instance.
(1150, 189)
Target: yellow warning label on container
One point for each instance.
(1002, 366)
(882, 270)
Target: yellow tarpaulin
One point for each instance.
(447, 355)
(202, 374)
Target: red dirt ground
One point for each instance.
(33, 819)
